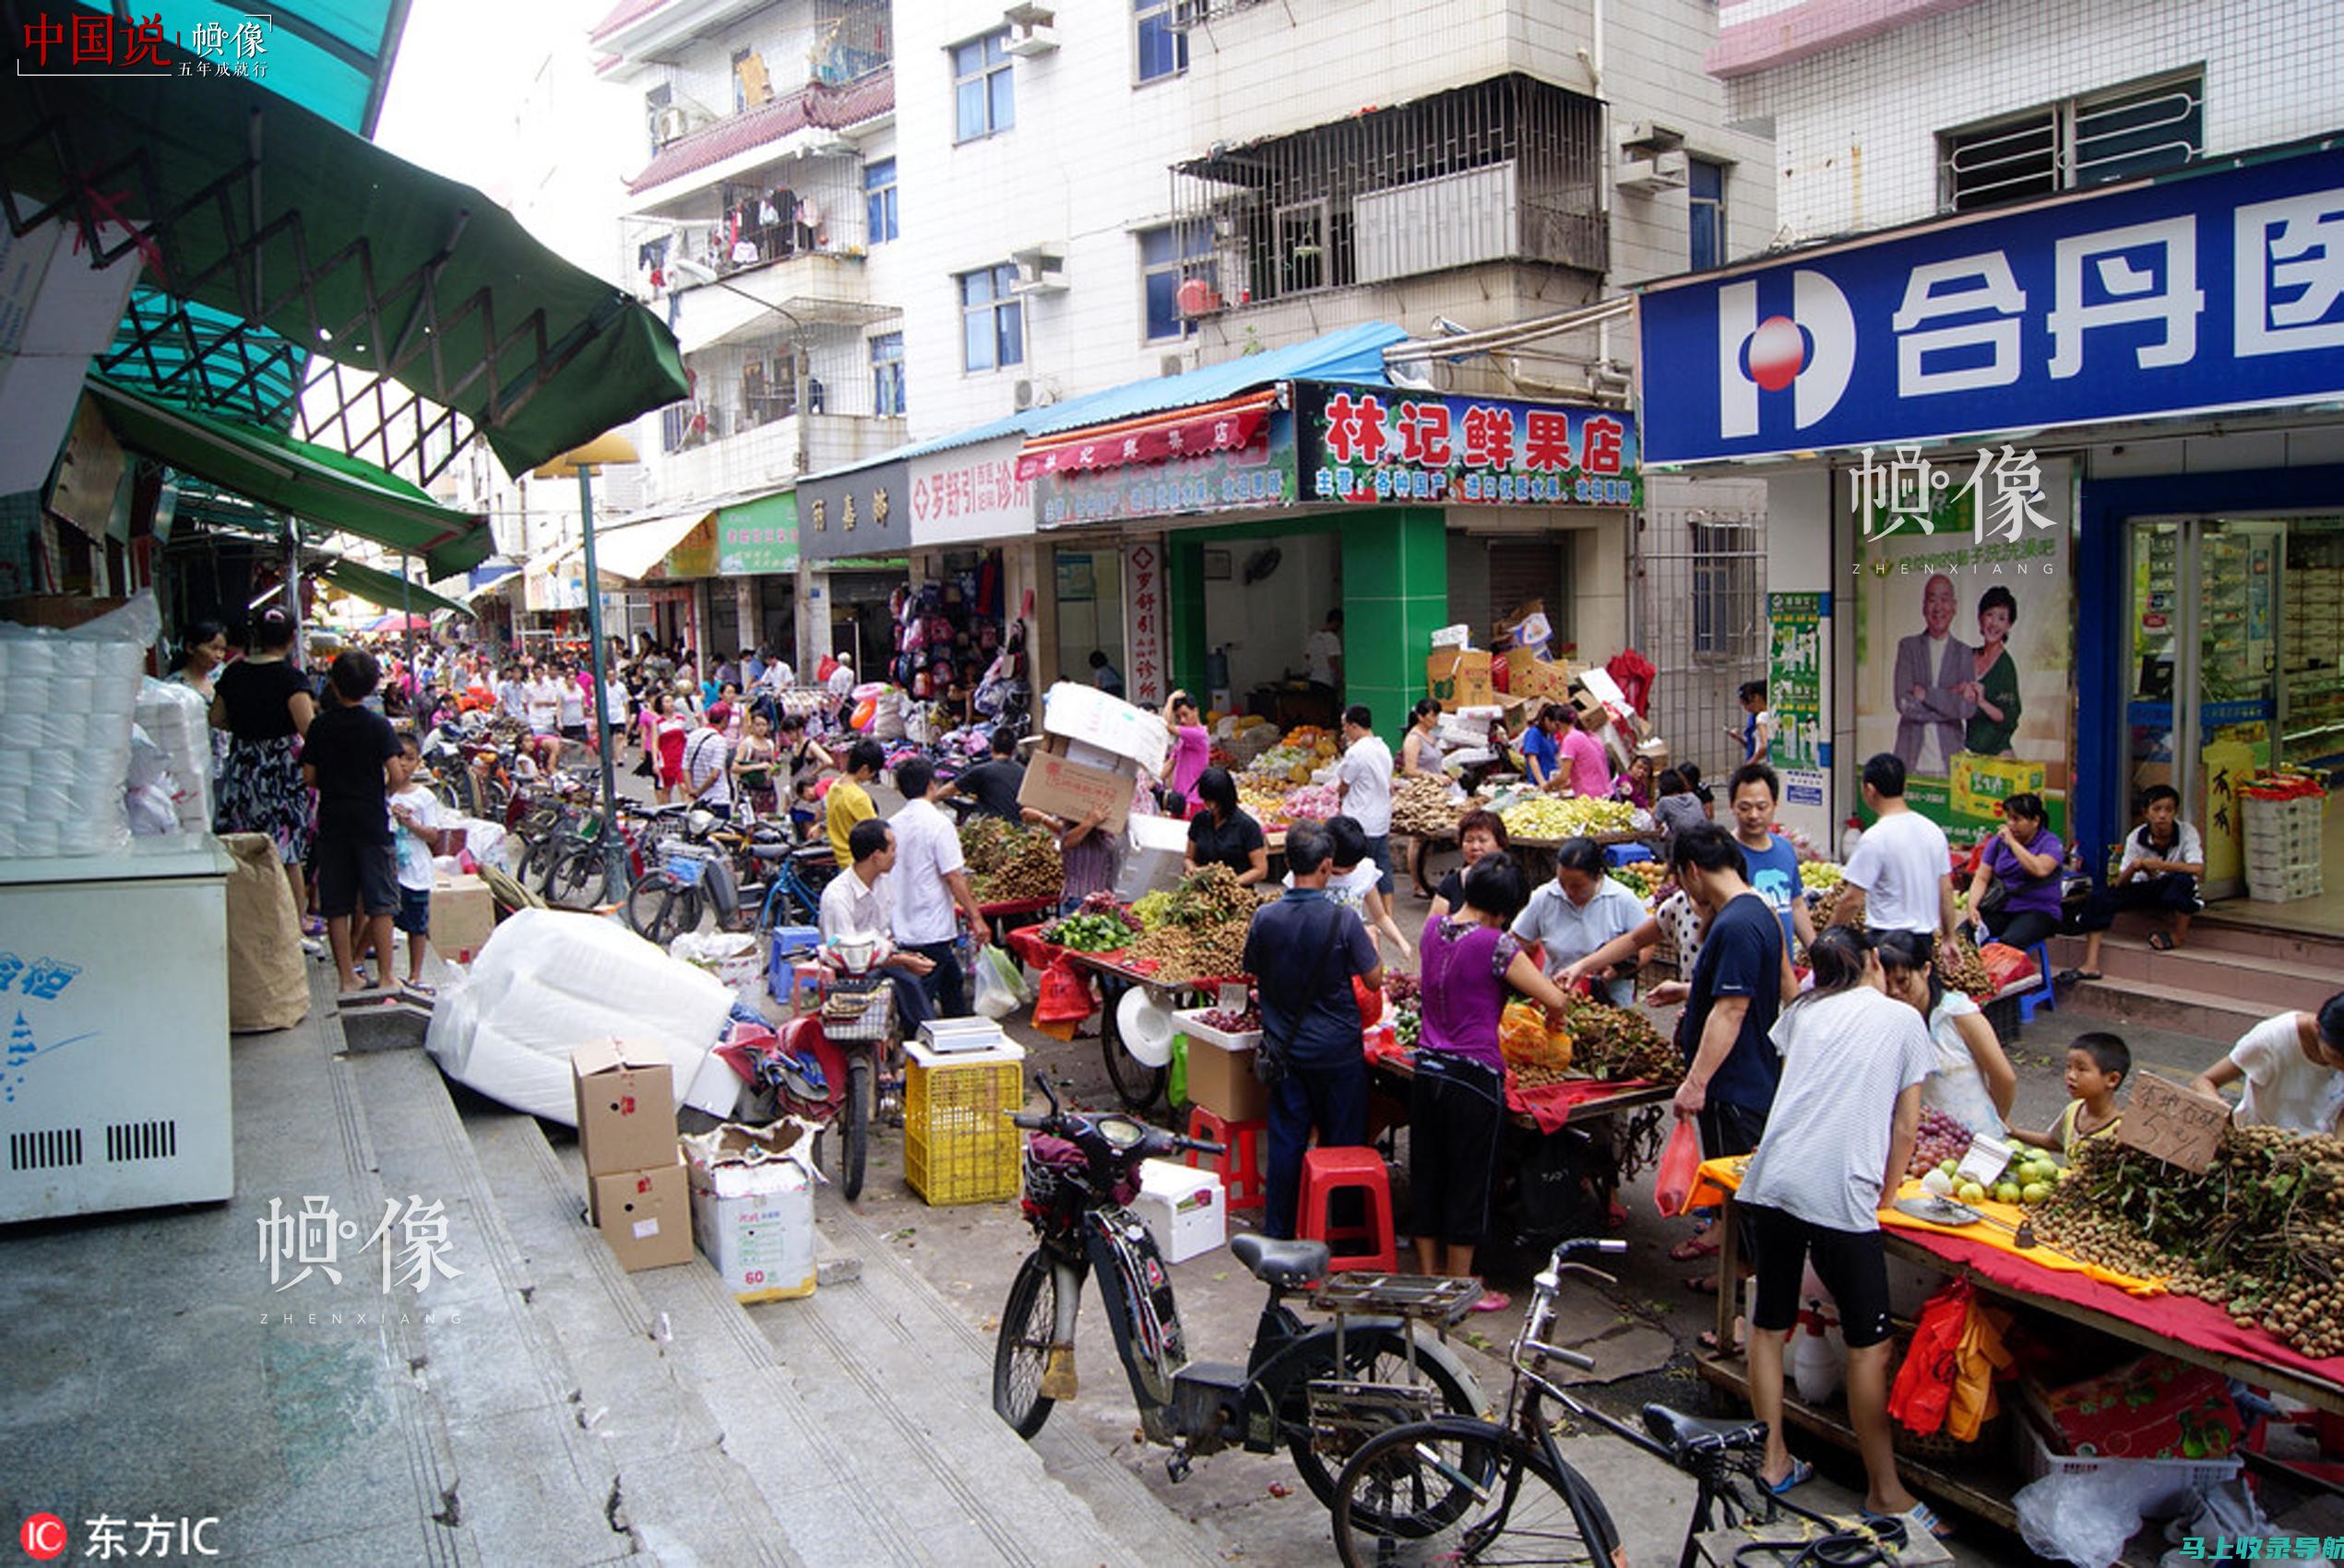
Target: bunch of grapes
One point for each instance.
(1400, 989)
(1941, 1138)
(1221, 1019)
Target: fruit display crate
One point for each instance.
(959, 1145)
(1190, 1022)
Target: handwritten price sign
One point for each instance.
(2177, 1124)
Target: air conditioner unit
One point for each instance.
(1647, 139)
(669, 121)
(1188, 14)
(1171, 364)
(1033, 30)
(1021, 396)
(1649, 176)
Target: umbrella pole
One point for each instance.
(406, 623)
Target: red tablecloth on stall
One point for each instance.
(1550, 1105)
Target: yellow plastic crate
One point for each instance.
(959, 1145)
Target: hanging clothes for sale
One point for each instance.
(766, 215)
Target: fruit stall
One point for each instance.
(2125, 1268)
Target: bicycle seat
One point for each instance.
(812, 854)
(1285, 1264)
(1699, 1435)
(769, 853)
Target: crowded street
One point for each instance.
(819, 782)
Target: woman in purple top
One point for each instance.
(2025, 857)
(1458, 1096)
(1192, 748)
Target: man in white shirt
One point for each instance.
(928, 882)
(707, 775)
(1363, 787)
(860, 902)
(1901, 871)
(1323, 653)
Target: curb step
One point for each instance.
(814, 1389)
(2268, 982)
(1117, 1497)
(2203, 1013)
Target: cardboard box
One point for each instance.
(626, 1094)
(646, 1214)
(1155, 849)
(2145, 1409)
(753, 1209)
(1183, 1208)
(1459, 678)
(1223, 1082)
(1087, 714)
(463, 917)
(1059, 785)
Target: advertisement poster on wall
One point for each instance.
(1799, 751)
(1964, 631)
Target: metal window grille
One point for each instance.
(853, 39)
(1701, 581)
(2088, 140)
(1507, 169)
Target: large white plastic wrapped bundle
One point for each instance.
(177, 718)
(548, 982)
(67, 699)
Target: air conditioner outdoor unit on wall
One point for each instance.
(1649, 176)
(669, 121)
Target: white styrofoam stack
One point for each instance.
(67, 700)
(178, 719)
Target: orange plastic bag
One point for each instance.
(1063, 996)
(1371, 1003)
(1924, 1391)
(1679, 1167)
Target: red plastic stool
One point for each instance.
(1326, 1171)
(1244, 1180)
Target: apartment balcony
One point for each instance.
(1508, 169)
(730, 456)
(853, 37)
(819, 120)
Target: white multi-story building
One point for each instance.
(2092, 233)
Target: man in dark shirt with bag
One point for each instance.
(1303, 952)
(344, 757)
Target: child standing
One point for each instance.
(346, 759)
(2097, 1064)
(420, 829)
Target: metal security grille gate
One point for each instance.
(1701, 619)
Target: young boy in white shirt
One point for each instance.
(421, 828)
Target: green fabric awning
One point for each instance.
(315, 483)
(383, 589)
(253, 204)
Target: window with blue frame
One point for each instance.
(993, 319)
(983, 97)
(1169, 257)
(879, 201)
(1164, 49)
(886, 376)
(1705, 191)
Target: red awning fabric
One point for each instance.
(1226, 427)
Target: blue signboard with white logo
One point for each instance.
(2215, 291)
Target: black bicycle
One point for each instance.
(1316, 1390)
(1454, 1489)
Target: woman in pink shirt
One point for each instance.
(1585, 765)
(1192, 748)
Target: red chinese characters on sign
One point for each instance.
(1546, 442)
(971, 490)
(1425, 434)
(1172, 435)
(1143, 623)
(1599, 449)
(1488, 437)
(1354, 428)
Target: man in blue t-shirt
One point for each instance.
(1304, 951)
(1736, 993)
(1773, 860)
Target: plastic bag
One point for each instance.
(1065, 997)
(2084, 1517)
(1000, 988)
(2005, 965)
(1679, 1167)
(1924, 1391)
(2224, 1513)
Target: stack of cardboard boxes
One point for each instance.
(635, 1191)
(1094, 751)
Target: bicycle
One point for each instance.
(1315, 1390)
(695, 871)
(1457, 1490)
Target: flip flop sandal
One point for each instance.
(1801, 1474)
(1708, 1343)
(1693, 1249)
(1703, 1284)
(1919, 1515)
(1493, 1302)
(2161, 940)
(2075, 977)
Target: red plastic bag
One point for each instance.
(2006, 966)
(1925, 1387)
(1063, 996)
(1679, 1167)
(1371, 1003)
(824, 671)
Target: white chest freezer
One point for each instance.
(113, 1029)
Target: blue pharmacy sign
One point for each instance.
(2221, 290)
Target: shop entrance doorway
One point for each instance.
(2236, 666)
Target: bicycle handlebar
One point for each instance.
(1556, 1352)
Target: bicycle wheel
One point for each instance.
(1371, 1356)
(534, 869)
(1136, 1084)
(855, 1127)
(1029, 1317)
(580, 878)
(659, 909)
(1452, 1491)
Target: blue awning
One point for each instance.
(333, 57)
(1356, 353)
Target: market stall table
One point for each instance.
(2043, 1279)
(1136, 1084)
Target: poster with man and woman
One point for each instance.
(1965, 651)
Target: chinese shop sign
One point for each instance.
(856, 512)
(970, 494)
(757, 538)
(1378, 444)
(1258, 476)
(1144, 611)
